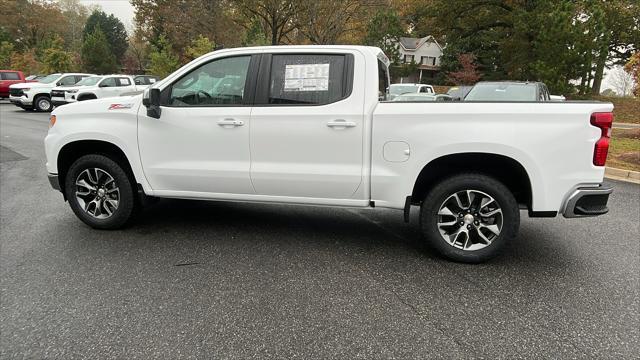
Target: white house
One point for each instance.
(426, 52)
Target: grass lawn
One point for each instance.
(624, 149)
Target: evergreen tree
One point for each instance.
(97, 56)
(113, 30)
(162, 60)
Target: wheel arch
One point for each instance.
(503, 168)
(86, 96)
(72, 151)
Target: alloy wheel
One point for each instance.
(97, 193)
(470, 220)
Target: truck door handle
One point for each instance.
(230, 123)
(339, 123)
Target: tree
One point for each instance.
(26, 62)
(384, 31)
(55, 59)
(180, 21)
(112, 29)
(137, 55)
(621, 81)
(31, 22)
(468, 74)
(331, 21)
(162, 60)
(633, 68)
(275, 16)
(96, 53)
(199, 46)
(6, 49)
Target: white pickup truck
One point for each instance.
(95, 87)
(36, 95)
(310, 125)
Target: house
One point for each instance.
(425, 52)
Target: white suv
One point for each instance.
(94, 87)
(36, 95)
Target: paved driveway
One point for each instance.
(224, 280)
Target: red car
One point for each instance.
(7, 78)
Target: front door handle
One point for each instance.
(230, 122)
(340, 123)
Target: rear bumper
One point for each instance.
(587, 201)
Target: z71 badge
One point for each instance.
(120, 106)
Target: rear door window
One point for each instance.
(108, 82)
(308, 79)
(383, 81)
(67, 80)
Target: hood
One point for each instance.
(113, 105)
(30, 85)
(68, 87)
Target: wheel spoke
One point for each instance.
(492, 212)
(493, 228)
(483, 237)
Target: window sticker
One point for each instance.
(306, 77)
(124, 82)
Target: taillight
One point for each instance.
(604, 122)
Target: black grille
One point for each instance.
(15, 92)
(57, 93)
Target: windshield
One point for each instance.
(49, 78)
(91, 80)
(502, 92)
(402, 89)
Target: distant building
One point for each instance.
(426, 52)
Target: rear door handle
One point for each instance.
(230, 123)
(340, 123)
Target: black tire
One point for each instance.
(127, 201)
(42, 103)
(510, 217)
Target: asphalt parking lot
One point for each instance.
(230, 280)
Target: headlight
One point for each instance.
(52, 121)
(71, 91)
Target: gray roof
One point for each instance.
(410, 43)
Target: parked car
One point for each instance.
(400, 89)
(8, 78)
(306, 127)
(508, 91)
(36, 95)
(94, 87)
(458, 93)
(557, 98)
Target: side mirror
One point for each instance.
(151, 100)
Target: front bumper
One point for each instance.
(587, 201)
(56, 101)
(53, 180)
(20, 101)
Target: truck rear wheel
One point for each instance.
(469, 217)
(100, 192)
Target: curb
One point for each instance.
(623, 175)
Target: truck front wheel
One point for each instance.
(100, 192)
(469, 217)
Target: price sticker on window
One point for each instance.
(306, 77)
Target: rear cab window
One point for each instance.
(9, 75)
